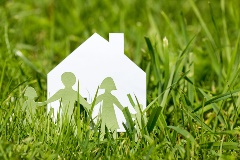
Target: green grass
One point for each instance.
(192, 84)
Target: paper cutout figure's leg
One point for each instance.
(102, 133)
(115, 134)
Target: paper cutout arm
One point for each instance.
(84, 102)
(117, 103)
(99, 99)
(55, 97)
(41, 103)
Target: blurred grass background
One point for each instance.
(201, 61)
(47, 31)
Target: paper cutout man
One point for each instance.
(30, 106)
(68, 96)
(108, 115)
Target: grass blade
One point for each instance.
(183, 132)
(153, 118)
(29, 63)
(217, 98)
(217, 145)
(128, 118)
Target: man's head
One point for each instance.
(68, 79)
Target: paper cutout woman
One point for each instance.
(108, 115)
(68, 96)
(30, 106)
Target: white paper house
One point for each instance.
(92, 62)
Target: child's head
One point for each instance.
(30, 93)
(108, 84)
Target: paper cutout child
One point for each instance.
(108, 115)
(30, 106)
(68, 96)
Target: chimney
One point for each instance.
(116, 41)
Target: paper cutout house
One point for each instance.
(92, 62)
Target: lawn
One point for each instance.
(189, 50)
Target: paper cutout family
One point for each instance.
(95, 63)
